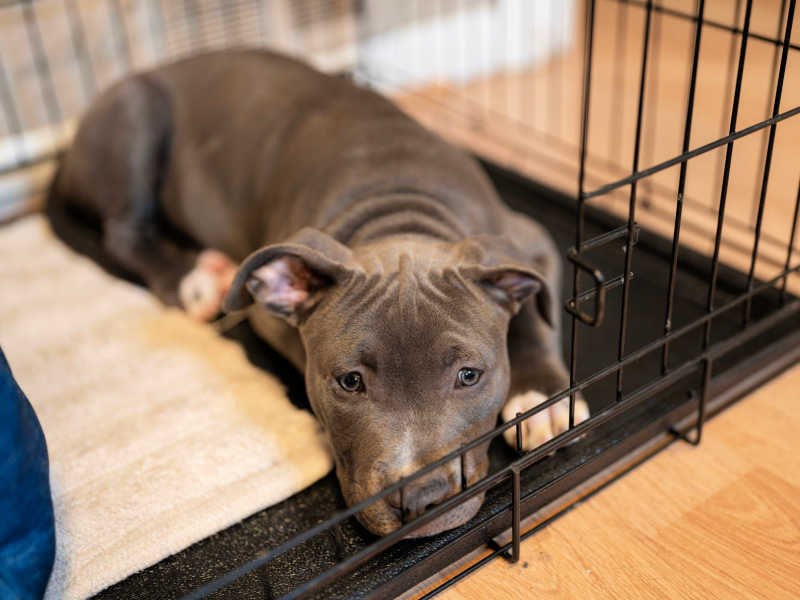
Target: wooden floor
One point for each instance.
(721, 520)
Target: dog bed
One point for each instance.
(160, 431)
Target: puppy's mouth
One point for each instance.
(383, 519)
(455, 517)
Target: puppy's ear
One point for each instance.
(290, 279)
(505, 274)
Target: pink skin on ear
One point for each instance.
(282, 284)
(517, 285)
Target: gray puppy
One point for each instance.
(372, 254)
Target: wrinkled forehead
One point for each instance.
(413, 312)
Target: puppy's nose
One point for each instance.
(424, 493)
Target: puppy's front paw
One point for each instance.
(202, 289)
(543, 425)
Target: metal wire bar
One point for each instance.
(11, 117)
(617, 90)
(81, 50)
(516, 513)
(710, 23)
(712, 288)
(768, 159)
(790, 249)
(651, 131)
(691, 154)
(158, 28)
(117, 21)
(611, 284)
(702, 400)
(581, 209)
(676, 236)
(623, 328)
(45, 77)
(192, 14)
(737, 11)
(260, 33)
(229, 20)
(773, 76)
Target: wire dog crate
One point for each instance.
(680, 255)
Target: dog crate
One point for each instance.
(656, 140)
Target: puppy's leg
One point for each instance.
(534, 347)
(196, 281)
(115, 170)
(537, 372)
(202, 290)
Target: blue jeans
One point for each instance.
(27, 533)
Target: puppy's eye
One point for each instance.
(468, 376)
(351, 382)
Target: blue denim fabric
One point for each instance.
(27, 534)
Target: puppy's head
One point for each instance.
(406, 356)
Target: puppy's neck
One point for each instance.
(397, 215)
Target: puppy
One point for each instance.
(375, 256)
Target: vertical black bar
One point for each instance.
(518, 432)
(723, 195)
(790, 250)
(774, 74)
(80, 48)
(652, 130)
(620, 64)
(676, 236)
(43, 73)
(120, 34)
(623, 329)
(463, 464)
(515, 514)
(702, 401)
(728, 83)
(579, 215)
(768, 159)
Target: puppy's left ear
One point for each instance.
(290, 279)
(500, 269)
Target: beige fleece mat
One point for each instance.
(160, 432)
